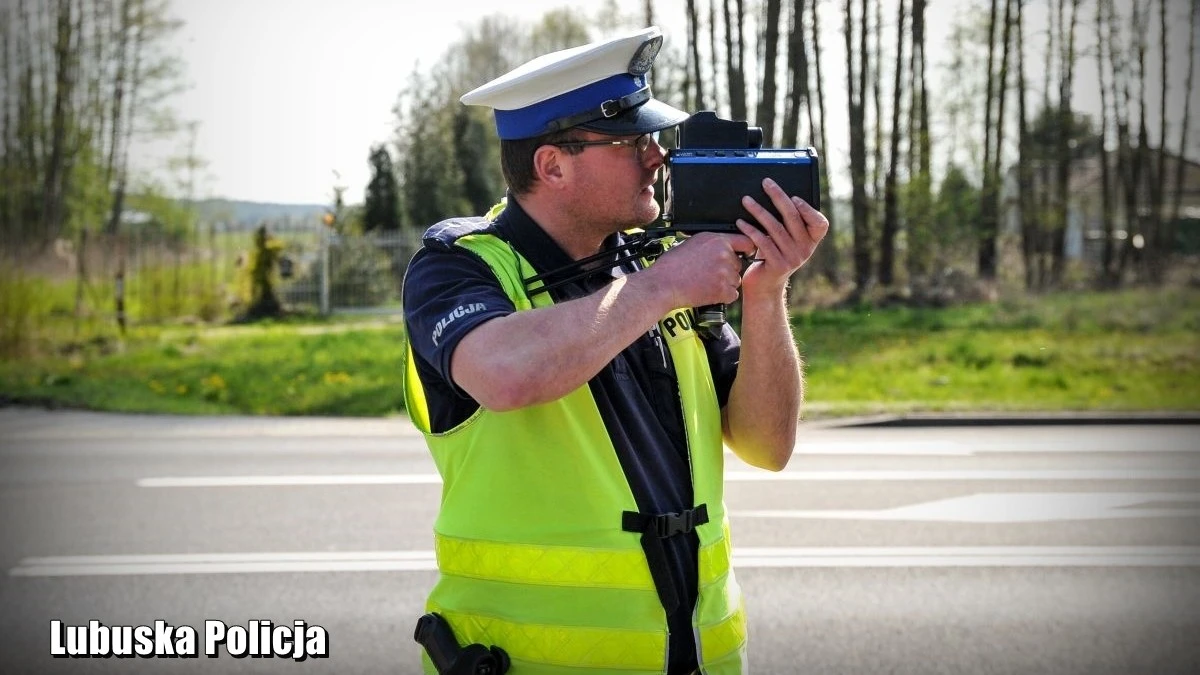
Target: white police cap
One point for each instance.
(600, 87)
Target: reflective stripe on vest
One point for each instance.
(565, 565)
(584, 647)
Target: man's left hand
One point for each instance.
(783, 247)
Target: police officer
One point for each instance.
(578, 430)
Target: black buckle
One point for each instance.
(666, 524)
(670, 524)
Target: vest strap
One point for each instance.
(667, 524)
(654, 529)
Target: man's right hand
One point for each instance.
(706, 269)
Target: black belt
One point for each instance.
(654, 529)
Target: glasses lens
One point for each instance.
(643, 144)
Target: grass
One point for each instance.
(1134, 350)
(280, 369)
(1129, 351)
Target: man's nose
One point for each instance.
(655, 154)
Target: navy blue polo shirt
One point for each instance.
(636, 393)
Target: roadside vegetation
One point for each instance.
(1131, 350)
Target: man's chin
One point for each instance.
(649, 214)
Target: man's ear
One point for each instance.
(548, 165)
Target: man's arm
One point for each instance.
(537, 356)
(763, 411)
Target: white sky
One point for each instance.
(288, 91)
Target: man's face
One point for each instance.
(613, 184)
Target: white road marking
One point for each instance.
(1015, 507)
(775, 557)
(275, 481)
(990, 446)
(732, 476)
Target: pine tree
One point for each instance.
(381, 208)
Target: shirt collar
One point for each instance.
(532, 242)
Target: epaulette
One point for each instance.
(443, 235)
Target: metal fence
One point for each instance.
(150, 276)
(347, 273)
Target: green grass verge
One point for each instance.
(1129, 351)
(283, 369)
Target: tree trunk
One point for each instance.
(767, 96)
(856, 91)
(796, 60)
(135, 81)
(7, 166)
(1177, 204)
(830, 266)
(1129, 158)
(1064, 154)
(887, 248)
(55, 179)
(30, 128)
(118, 108)
(1025, 215)
(734, 63)
(694, 51)
(712, 46)
(1159, 248)
(1105, 277)
(876, 79)
(998, 181)
(987, 212)
(921, 175)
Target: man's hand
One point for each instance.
(782, 247)
(704, 270)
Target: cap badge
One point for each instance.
(643, 58)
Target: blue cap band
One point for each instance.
(536, 119)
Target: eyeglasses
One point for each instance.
(639, 144)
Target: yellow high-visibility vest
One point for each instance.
(530, 547)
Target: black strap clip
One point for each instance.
(667, 524)
(653, 530)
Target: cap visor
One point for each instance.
(653, 115)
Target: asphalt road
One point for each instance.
(967, 549)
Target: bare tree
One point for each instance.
(1194, 23)
(797, 90)
(735, 61)
(117, 117)
(1065, 154)
(1001, 120)
(766, 102)
(56, 176)
(1107, 256)
(829, 266)
(856, 89)
(876, 79)
(694, 54)
(1141, 27)
(1126, 159)
(891, 225)
(1158, 247)
(713, 54)
(920, 170)
(987, 211)
(1030, 235)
